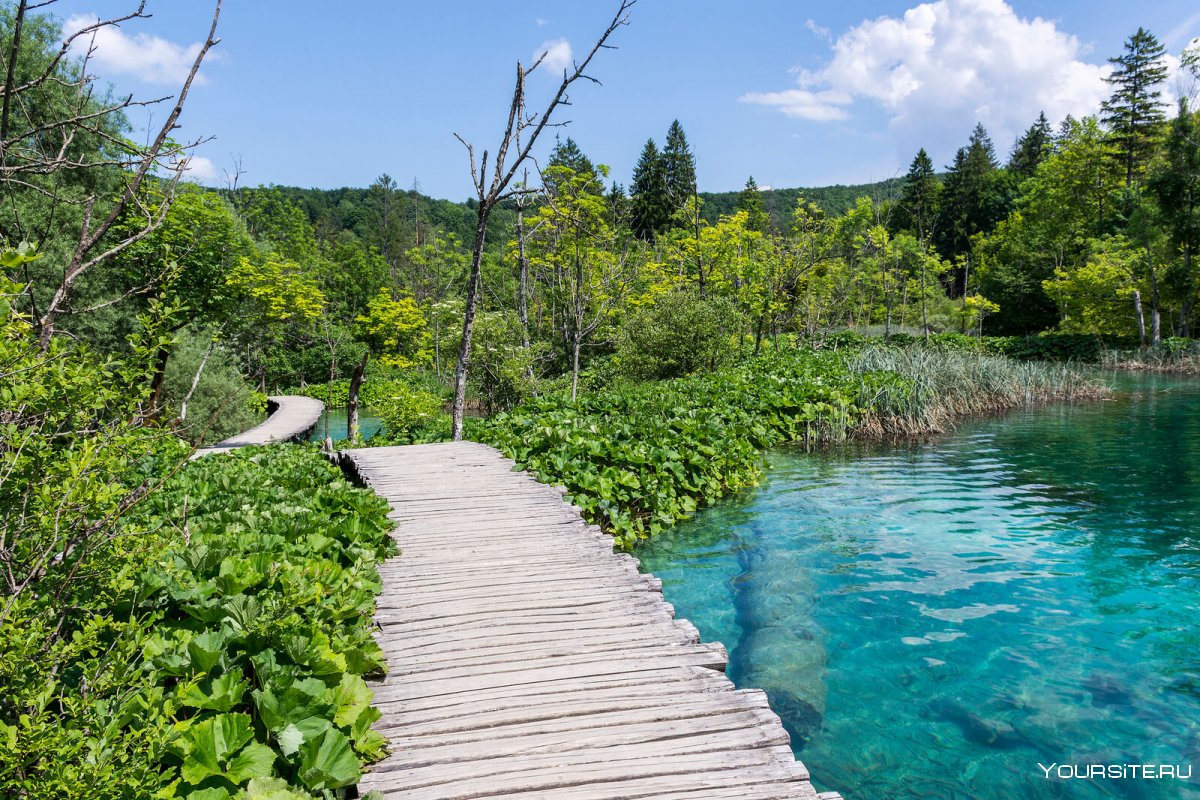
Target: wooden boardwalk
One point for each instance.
(292, 418)
(529, 660)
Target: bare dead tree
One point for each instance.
(491, 187)
(33, 151)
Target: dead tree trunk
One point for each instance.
(1140, 317)
(356, 382)
(520, 135)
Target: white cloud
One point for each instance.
(823, 106)
(819, 31)
(945, 65)
(557, 54)
(540, 22)
(201, 170)
(151, 59)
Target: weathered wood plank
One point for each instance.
(292, 417)
(530, 660)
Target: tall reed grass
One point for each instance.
(940, 386)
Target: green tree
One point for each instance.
(650, 205)
(1031, 148)
(1063, 209)
(680, 166)
(581, 261)
(750, 201)
(974, 196)
(1176, 183)
(919, 199)
(568, 154)
(1134, 112)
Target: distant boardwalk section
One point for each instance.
(292, 418)
(527, 659)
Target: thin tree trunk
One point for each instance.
(356, 382)
(924, 303)
(575, 343)
(966, 276)
(1141, 318)
(1155, 312)
(157, 384)
(463, 367)
(187, 398)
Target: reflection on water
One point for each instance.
(338, 425)
(937, 620)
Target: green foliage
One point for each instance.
(679, 334)
(396, 330)
(636, 459)
(411, 415)
(279, 288)
(149, 630)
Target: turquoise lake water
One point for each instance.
(368, 425)
(935, 620)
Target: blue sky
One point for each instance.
(795, 93)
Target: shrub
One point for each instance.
(410, 415)
(678, 335)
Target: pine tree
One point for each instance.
(1032, 148)
(919, 197)
(650, 209)
(1134, 113)
(680, 166)
(750, 201)
(974, 196)
(567, 154)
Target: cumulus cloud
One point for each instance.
(200, 170)
(151, 59)
(556, 53)
(944, 65)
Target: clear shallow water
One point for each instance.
(935, 620)
(338, 423)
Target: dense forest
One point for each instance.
(141, 315)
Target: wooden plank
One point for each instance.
(292, 418)
(530, 660)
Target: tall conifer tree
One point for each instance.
(1032, 148)
(680, 166)
(750, 201)
(1134, 112)
(919, 198)
(650, 207)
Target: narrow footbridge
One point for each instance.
(529, 660)
(292, 417)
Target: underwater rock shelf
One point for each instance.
(528, 659)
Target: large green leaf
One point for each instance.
(328, 762)
(351, 697)
(207, 747)
(271, 789)
(221, 693)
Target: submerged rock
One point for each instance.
(977, 729)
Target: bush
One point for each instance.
(223, 404)
(678, 335)
(412, 415)
(228, 645)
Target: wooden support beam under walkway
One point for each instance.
(529, 660)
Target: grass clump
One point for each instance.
(938, 386)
